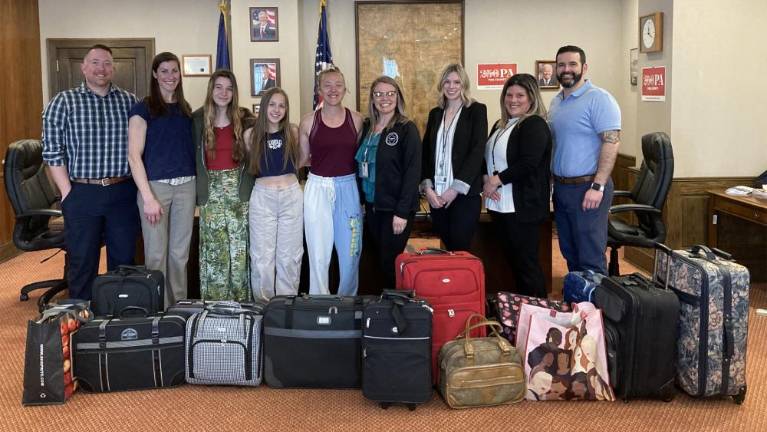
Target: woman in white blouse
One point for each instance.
(516, 181)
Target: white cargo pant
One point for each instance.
(276, 223)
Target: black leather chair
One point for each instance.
(648, 196)
(39, 223)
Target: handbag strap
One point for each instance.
(468, 348)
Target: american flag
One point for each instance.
(323, 57)
(222, 45)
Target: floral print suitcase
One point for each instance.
(713, 325)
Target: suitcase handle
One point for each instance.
(703, 250)
(468, 348)
(132, 308)
(127, 269)
(398, 294)
(434, 251)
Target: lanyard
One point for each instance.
(445, 132)
(509, 124)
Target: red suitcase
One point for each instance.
(453, 283)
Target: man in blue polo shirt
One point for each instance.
(85, 145)
(585, 121)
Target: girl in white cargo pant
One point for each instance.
(276, 202)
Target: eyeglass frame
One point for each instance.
(380, 94)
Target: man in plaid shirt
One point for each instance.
(85, 145)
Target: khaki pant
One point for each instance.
(276, 240)
(166, 243)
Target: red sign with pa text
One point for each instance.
(492, 76)
(654, 83)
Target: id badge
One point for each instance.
(363, 170)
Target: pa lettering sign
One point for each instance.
(492, 76)
(654, 84)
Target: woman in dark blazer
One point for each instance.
(516, 181)
(453, 146)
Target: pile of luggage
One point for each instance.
(614, 337)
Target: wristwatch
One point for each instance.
(598, 187)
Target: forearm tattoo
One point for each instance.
(612, 136)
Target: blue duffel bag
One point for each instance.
(580, 286)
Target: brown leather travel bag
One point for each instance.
(478, 372)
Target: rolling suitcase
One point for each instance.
(128, 286)
(713, 293)
(641, 332)
(313, 341)
(453, 283)
(187, 307)
(131, 353)
(396, 350)
(223, 345)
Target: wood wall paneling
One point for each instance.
(21, 96)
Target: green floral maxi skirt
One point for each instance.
(224, 273)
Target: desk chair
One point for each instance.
(648, 196)
(39, 224)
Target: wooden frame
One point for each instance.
(550, 83)
(271, 31)
(657, 21)
(411, 40)
(196, 65)
(257, 108)
(258, 85)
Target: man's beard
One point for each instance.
(569, 83)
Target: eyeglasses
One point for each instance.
(379, 94)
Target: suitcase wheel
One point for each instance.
(740, 397)
(411, 407)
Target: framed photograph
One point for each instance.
(196, 65)
(633, 66)
(264, 26)
(264, 74)
(546, 72)
(257, 108)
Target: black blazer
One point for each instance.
(528, 153)
(468, 145)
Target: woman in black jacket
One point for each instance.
(453, 146)
(516, 181)
(389, 165)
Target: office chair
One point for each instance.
(38, 225)
(648, 196)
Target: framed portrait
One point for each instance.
(257, 108)
(264, 24)
(196, 65)
(546, 72)
(264, 74)
(410, 42)
(633, 66)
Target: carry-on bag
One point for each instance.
(223, 345)
(313, 341)
(641, 323)
(713, 293)
(48, 375)
(579, 286)
(564, 353)
(128, 286)
(187, 307)
(453, 283)
(396, 350)
(483, 371)
(129, 353)
(508, 306)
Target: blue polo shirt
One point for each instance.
(576, 123)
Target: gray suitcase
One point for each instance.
(223, 345)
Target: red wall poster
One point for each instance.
(492, 76)
(654, 84)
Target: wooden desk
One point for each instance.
(738, 225)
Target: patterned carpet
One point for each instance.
(200, 408)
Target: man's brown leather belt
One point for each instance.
(106, 181)
(574, 180)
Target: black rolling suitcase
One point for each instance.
(129, 353)
(396, 350)
(641, 328)
(313, 341)
(128, 286)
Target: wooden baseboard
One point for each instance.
(8, 251)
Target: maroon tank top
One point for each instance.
(333, 149)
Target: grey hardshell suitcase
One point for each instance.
(223, 345)
(713, 294)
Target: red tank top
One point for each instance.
(333, 149)
(224, 147)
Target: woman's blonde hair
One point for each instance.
(233, 112)
(465, 95)
(399, 112)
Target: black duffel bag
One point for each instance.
(128, 286)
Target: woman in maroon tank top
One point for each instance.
(332, 210)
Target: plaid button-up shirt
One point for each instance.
(88, 132)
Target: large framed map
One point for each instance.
(411, 42)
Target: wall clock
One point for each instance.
(651, 33)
